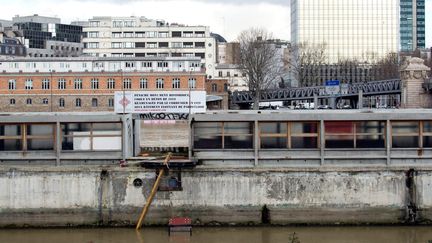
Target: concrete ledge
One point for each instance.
(335, 215)
(205, 216)
(49, 217)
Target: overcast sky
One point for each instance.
(225, 17)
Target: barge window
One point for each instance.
(19, 137)
(354, 134)
(10, 137)
(289, 134)
(223, 135)
(427, 134)
(208, 135)
(91, 136)
(273, 134)
(304, 135)
(405, 134)
(40, 136)
(339, 134)
(238, 135)
(370, 134)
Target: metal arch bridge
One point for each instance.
(382, 87)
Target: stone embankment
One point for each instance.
(69, 196)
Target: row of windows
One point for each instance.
(145, 34)
(119, 45)
(149, 45)
(110, 65)
(74, 136)
(94, 83)
(306, 135)
(61, 102)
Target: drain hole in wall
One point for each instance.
(137, 182)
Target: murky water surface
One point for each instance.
(224, 235)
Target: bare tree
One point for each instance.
(387, 67)
(306, 61)
(259, 60)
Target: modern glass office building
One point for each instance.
(412, 24)
(364, 30)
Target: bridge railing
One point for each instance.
(391, 86)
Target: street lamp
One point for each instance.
(190, 86)
(123, 89)
(51, 83)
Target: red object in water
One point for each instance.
(180, 221)
(180, 224)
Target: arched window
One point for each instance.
(45, 101)
(111, 102)
(61, 102)
(12, 101)
(78, 102)
(94, 102)
(214, 88)
(29, 101)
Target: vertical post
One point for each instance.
(137, 136)
(191, 137)
(123, 89)
(388, 140)
(360, 99)
(256, 142)
(332, 102)
(322, 141)
(58, 143)
(189, 115)
(315, 97)
(124, 136)
(51, 89)
(189, 88)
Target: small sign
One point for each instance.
(332, 87)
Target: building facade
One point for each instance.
(10, 44)
(142, 37)
(412, 25)
(363, 30)
(87, 83)
(47, 37)
(217, 94)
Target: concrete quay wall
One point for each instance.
(69, 196)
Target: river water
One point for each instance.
(421, 234)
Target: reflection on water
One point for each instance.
(223, 234)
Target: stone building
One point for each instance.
(88, 83)
(217, 94)
(143, 37)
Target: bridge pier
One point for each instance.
(360, 99)
(413, 76)
(332, 102)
